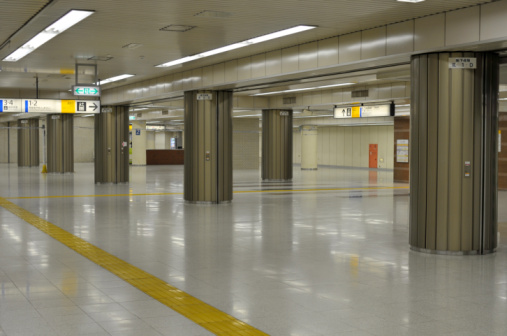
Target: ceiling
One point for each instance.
(117, 24)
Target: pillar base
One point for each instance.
(60, 173)
(451, 253)
(207, 203)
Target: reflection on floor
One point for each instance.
(326, 254)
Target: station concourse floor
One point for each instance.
(325, 254)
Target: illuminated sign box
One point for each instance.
(49, 106)
(367, 111)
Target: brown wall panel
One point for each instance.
(164, 157)
(401, 132)
(502, 156)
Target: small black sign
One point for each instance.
(81, 106)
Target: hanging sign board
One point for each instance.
(49, 106)
(86, 90)
(10, 105)
(364, 111)
(462, 63)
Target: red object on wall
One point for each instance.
(373, 156)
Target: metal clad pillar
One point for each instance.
(309, 148)
(453, 150)
(111, 145)
(28, 143)
(208, 146)
(60, 143)
(277, 145)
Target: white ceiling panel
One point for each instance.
(116, 24)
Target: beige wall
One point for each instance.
(84, 135)
(245, 143)
(3, 143)
(349, 146)
(150, 139)
(160, 140)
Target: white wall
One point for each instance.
(349, 146)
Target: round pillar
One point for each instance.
(277, 145)
(453, 153)
(111, 145)
(60, 143)
(28, 143)
(208, 146)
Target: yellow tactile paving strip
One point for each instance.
(194, 309)
(235, 192)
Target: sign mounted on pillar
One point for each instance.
(204, 96)
(462, 63)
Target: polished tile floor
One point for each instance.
(324, 255)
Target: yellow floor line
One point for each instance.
(235, 192)
(194, 309)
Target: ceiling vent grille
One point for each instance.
(100, 58)
(177, 28)
(139, 115)
(165, 112)
(359, 93)
(132, 45)
(289, 100)
(213, 14)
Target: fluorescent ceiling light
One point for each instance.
(242, 44)
(64, 23)
(413, 1)
(315, 116)
(114, 79)
(248, 115)
(303, 89)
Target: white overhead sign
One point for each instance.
(10, 105)
(364, 111)
(49, 106)
(462, 63)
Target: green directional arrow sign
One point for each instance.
(86, 90)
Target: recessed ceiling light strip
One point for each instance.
(242, 44)
(302, 89)
(61, 25)
(115, 78)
